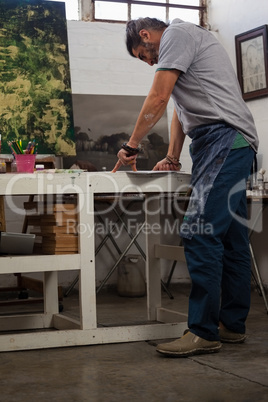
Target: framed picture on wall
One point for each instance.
(252, 62)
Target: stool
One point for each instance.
(262, 201)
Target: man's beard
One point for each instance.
(152, 51)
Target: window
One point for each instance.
(166, 10)
(124, 10)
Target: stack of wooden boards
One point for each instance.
(55, 226)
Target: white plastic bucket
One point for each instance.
(131, 276)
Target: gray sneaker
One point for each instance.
(189, 345)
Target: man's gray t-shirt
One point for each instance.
(207, 90)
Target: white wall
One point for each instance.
(100, 63)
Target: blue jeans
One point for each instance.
(219, 259)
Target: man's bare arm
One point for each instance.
(151, 112)
(177, 137)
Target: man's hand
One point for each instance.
(125, 159)
(164, 164)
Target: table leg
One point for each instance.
(50, 289)
(153, 265)
(87, 279)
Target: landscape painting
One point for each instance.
(35, 87)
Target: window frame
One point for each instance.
(87, 9)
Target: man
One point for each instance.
(194, 69)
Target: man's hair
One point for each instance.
(133, 39)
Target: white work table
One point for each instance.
(51, 329)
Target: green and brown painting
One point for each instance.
(35, 89)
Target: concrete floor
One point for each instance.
(134, 371)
